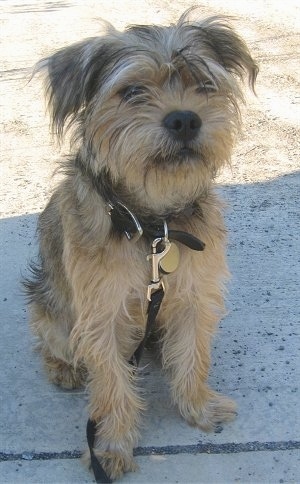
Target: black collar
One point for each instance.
(124, 221)
(127, 221)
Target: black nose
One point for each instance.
(184, 125)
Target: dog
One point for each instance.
(154, 113)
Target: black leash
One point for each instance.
(91, 429)
(153, 308)
(99, 472)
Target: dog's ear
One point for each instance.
(73, 75)
(230, 49)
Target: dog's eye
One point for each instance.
(206, 87)
(132, 92)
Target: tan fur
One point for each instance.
(88, 296)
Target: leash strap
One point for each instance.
(99, 472)
(153, 308)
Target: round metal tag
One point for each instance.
(170, 261)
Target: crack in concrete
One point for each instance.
(200, 448)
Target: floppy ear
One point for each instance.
(230, 49)
(73, 75)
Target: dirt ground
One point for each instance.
(268, 148)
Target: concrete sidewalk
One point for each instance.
(256, 353)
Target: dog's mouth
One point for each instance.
(183, 155)
(186, 153)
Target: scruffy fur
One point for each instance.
(88, 292)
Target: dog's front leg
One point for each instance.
(105, 339)
(186, 355)
(104, 345)
(109, 324)
(115, 407)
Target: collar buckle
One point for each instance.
(121, 215)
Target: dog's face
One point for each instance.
(155, 107)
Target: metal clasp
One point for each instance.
(155, 258)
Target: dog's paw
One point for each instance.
(209, 416)
(64, 375)
(113, 463)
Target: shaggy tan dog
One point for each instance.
(155, 113)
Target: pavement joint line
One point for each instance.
(200, 448)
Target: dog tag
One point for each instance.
(170, 261)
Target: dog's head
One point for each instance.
(155, 107)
